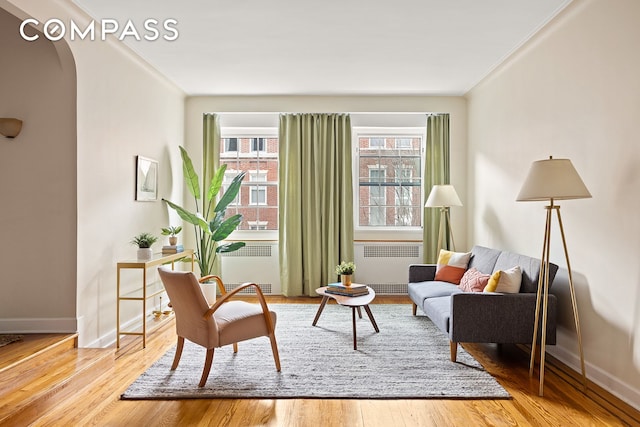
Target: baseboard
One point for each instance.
(618, 403)
(57, 325)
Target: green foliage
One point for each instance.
(171, 230)
(144, 240)
(345, 268)
(209, 222)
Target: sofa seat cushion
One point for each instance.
(420, 291)
(439, 311)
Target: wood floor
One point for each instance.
(563, 405)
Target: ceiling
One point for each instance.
(329, 47)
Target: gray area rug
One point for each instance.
(408, 359)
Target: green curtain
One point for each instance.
(316, 196)
(436, 171)
(211, 160)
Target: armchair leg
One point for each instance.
(207, 367)
(235, 347)
(415, 308)
(453, 347)
(176, 358)
(274, 349)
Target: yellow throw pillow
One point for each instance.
(505, 281)
(492, 284)
(451, 266)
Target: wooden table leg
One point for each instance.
(359, 312)
(353, 316)
(322, 304)
(373, 321)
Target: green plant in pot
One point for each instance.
(209, 222)
(172, 232)
(144, 241)
(345, 271)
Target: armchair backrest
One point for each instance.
(189, 305)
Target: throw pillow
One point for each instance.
(451, 266)
(505, 281)
(474, 281)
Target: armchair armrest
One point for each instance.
(228, 295)
(218, 280)
(498, 318)
(421, 272)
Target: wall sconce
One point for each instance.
(10, 127)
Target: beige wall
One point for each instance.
(37, 185)
(573, 91)
(124, 109)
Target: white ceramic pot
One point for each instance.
(145, 254)
(209, 290)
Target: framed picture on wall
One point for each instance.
(146, 179)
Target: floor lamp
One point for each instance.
(443, 196)
(551, 180)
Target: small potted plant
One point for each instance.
(172, 232)
(144, 242)
(345, 270)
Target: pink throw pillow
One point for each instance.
(474, 281)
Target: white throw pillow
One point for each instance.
(508, 281)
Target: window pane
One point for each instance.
(231, 144)
(389, 180)
(258, 157)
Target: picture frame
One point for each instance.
(146, 179)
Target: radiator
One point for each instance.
(257, 263)
(385, 265)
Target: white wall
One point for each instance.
(124, 109)
(573, 91)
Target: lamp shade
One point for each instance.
(552, 179)
(443, 196)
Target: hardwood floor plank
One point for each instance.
(562, 405)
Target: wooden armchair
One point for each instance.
(225, 322)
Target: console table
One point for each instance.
(146, 290)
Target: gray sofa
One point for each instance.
(483, 317)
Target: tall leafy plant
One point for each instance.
(208, 220)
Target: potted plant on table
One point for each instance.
(144, 241)
(345, 271)
(209, 223)
(172, 232)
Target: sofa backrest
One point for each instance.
(488, 260)
(483, 259)
(530, 269)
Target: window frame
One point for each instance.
(366, 232)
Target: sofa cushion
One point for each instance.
(439, 311)
(483, 259)
(505, 281)
(530, 269)
(473, 281)
(420, 291)
(452, 265)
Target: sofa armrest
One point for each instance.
(421, 272)
(498, 318)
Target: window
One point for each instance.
(376, 142)
(231, 144)
(257, 144)
(389, 180)
(377, 197)
(258, 195)
(257, 155)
